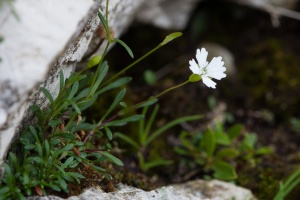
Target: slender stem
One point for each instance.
(70, 121)
(156, 96)
(100, 63)
(131, 65)
(106, 15)
(171, 88)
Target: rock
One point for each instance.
(198, 190)
(167, 14)
(276, 8)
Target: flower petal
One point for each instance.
(202, 57)
(208, 82)
(215, 68)
(194, 67)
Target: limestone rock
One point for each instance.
(167, 14)
(198, 190)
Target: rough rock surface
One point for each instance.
(198, 190)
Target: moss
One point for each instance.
(270, 77)
(263, 179)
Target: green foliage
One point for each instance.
(290, 184)
(46, 152)
(145, 137)
(217, 151)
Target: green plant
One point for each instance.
(61, 138)
(295, 124)
(286, 187)
(217, 151)
(145, 137)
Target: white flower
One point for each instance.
(207, 71)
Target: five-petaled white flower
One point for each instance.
(207, 71)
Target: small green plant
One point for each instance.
(145, 136)
(295, 124)
(290, 184)
(217, 151)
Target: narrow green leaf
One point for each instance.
(38, 160)
(148, 103)
(62, 184)
(61, 81)
(82, 94)
(65, 149)
(47, 94)
(47, 148)
(155, 163)
(74, 89)
(124, 45)
(69, 136)
(227, 153)
(9, 175)
(159, 131)
(171, 37)
(264, 151)
(235, 130)
(4, 190)
(116, 101)
(74, 77)
(112, 158)
(224, 171)
(87, 103)
(115, 84)
(108, 133)
(54, 187)
(123, 104)
(128, 140)
(249, 141)
(208, 143)
(55, 122)
(39, 150)
(124, 121)
(100, 76)
(149, 125)
(103, 21)
(77, 109)
(74, 164)
(67, 162)
(222, 138)
(181, 151)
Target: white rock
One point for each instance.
(193, 190)
(167, 14)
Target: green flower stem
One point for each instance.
(171, 88)
(131, 65)
(70, 121)
(98, 68)
(153, 97)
